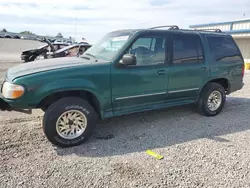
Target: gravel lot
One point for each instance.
(198, 151)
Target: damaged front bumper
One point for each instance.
(23, 57)
(4, 106)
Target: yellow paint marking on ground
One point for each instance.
(157, 156)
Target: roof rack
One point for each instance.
(175, 27)
(216, 30)
(170, 27)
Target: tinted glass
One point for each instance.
(187, 49)
(223, 49)
(149, 50)
(199, 50)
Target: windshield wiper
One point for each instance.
(91, 56)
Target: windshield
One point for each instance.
(108, 46)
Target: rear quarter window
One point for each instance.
(224, 49)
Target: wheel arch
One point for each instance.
(224, 82)
(84, 94)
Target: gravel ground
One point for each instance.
(198, 151)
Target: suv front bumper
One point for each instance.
(4, 106)
(23, 57)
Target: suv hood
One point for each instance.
(44, 65)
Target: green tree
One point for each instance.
(27, 33)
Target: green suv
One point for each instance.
(127, 71)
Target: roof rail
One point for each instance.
(215, 30)
(170, 27)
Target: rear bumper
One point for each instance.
(235, 87)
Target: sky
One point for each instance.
(92, 19)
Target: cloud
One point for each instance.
(94, 18)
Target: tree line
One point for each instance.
(59, 35)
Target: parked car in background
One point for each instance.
(33, 54)
(8, 36)
(2, 34)
(51, 40)
(59, 46)
(23, 37)
(69, 51)
(69, 42)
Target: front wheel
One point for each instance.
(69, 122)
(212, 99)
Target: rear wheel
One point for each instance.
(69, 122)
(212, 99)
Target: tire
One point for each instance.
(67, 105)
(32, 58)
(203, 106)
(26, 60)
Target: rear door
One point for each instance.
(188, 69)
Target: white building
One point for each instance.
(239, 29)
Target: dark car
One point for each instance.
(32, 54)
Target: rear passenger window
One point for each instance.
(187, 49)
(223, 49)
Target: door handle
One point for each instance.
(161, 72)
(203, 68)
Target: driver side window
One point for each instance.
(148, 50)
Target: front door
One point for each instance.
(188, 69)
(141, 86)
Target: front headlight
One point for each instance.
(12, 91)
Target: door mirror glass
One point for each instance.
(128, 59)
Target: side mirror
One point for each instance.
(128, 59)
